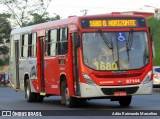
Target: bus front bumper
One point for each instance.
(90, 91)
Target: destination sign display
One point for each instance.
(113, 23)
(109, 23)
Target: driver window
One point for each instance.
(63, 42)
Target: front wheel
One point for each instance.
(30, 96)
(39, 98)
(65, 97)
(125, 101)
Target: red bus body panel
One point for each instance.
(59, 66)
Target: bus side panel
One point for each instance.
(33, 74)
(51, 72)
(14, 62)
(23, 70)
(69, 67)
(38, 65)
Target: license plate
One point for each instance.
(120, 93)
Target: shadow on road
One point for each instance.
(157, 90)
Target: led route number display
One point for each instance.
(113, 22)
(105, 66)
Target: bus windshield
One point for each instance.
(115, 50)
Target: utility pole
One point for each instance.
(85, 12)
(156, 11)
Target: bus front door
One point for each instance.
(16, 65)
(40, 65)
(75, 38)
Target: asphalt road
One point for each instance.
(11, 100)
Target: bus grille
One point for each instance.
(117, 75)
(110, 91)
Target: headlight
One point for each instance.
(157, 76)
(147, 78)
(88, 79)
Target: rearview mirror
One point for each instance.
(76, 40)
(153, 50)
(152, 43)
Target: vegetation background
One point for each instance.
(20, 13)
(154, 25)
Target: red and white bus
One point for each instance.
(81, 58)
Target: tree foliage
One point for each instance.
(40, 19)
(28, 12)
(4, 61)
(4, 50)
(5, 28)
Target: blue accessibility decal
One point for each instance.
(121, 36)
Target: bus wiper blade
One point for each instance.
(129, 40)
(129, 43)
(105, 39)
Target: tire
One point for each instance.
(83, 100)
(65, 98)
(30, 96)
(39, 98)
(125, 101)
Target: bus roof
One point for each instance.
(46, 25)
(63, 22)
(22, 30)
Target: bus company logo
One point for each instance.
(119, 81)
(106, 82)
(21, 113)
(6, 113)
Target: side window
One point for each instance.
(34, 45)
(63, 42)
(24, 51)
(51, 43)
(32, 42)
(30, 45)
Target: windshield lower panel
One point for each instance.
(115, 50)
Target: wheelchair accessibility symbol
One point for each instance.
(121, 36)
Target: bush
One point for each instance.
(4, 61)
(4, 50)
(154, 24)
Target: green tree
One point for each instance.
(4, 50)
(154, 25)
(40, 19)
(5, 28)
(28, 12)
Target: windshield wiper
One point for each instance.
(105, 39)
(129, 43)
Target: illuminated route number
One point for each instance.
(105, 66)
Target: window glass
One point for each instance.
(24, 42)
(115, 50)
(63, 43)
(34, 42)
(30, 45)
(51, 42)
(157, 69)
